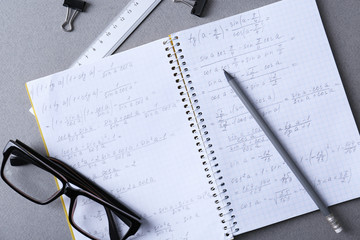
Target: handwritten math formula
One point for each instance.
(274, 64)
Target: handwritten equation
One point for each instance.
(290, 77)
(121, 123)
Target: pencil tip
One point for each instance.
(227, 75)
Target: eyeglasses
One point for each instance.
(93, 212)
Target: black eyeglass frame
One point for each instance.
(88, 189)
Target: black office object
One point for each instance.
(19, 164)
(197, 6)
(75, 4)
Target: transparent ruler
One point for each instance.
(118, 30)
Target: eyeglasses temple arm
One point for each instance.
(114, 235)
(18, 159)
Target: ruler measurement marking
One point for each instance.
(118, 30)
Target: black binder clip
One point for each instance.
(73, 8)
(196, 5)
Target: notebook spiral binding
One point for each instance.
(201, 135)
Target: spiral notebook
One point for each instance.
(159, 127)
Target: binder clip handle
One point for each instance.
(73, 9)
(196, 5)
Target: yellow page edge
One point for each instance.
(47, 153)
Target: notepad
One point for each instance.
(159, 127)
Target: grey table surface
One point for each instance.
(33, 45)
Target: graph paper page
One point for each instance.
(281, 57)
(121, 123)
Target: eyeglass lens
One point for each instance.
(28, 178)
(92, 218)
